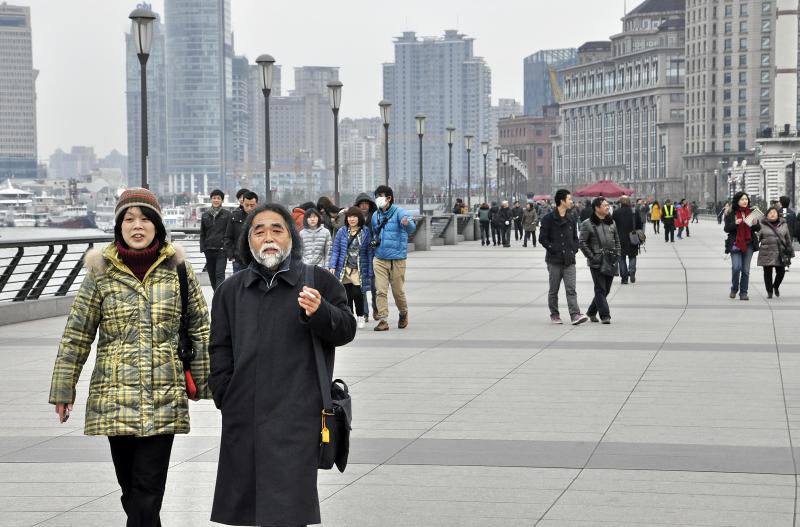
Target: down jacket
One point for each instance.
(365, 254)
(316, 242)
(394, 236)
(596, 237)
(774, 241)
(137, 386)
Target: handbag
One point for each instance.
(609, 264)
(186, 351)
(337, 407)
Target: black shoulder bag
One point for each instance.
(186, 351)
(337, 408)
(610, 263)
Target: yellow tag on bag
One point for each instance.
(326, 435)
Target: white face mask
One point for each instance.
(381, 202)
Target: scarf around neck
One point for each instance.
(744, 235)
(139, 262)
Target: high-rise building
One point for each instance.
(361, 146)
(541, 73)
(156, 110)
(730, 89)
(199, 51)
(78, 163)
(239, 135)
(17, 94)
(623, 107)
(255, 135)
(442, 78)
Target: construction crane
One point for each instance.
(554, 86)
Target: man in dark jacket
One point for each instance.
(558, 234)
(668, 213)
(789, 215)
(264, 377)
(249, 201)
(599, 237)
(586, 211)
(213, 225)
(516, 212)
(627, 221)
(504, 219)
(493, 220)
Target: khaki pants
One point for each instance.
(390, 272)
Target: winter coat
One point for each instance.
(669, 221)
(655, 213)
(731, 227)
(212, 230)
(516, 212)
(682, 216)
(586, 213)
(774, 242)
(505, 215)
(338, 257)
(483, 214)
(394, 235)
(265, 383)
(493, 216)
(298, 214)
(529, 219)
(598, 236)
(316, 242)
(137, 386)
(232, 233)
(627, 221)
(559, 236)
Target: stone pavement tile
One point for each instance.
(66, 472)
(23, 519)
(54, 503)
(703, 500)
(84, 519)
(440, 495)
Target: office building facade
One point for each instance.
(540, 73)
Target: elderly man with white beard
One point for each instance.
(263, 375)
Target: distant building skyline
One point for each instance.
(18, 148)
(538, 70)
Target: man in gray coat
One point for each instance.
(264, 379)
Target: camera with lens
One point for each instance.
(375, 243)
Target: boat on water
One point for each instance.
(174, 217)
(104, 216)
(23, 219)
(73, 217)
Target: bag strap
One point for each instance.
(596, 233)
(783, 246)
(186, 351)
(383, 224)
(319, 357)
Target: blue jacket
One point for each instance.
(394, 236)
(365, 254)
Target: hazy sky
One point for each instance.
(78, 46)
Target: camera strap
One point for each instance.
(383, 223)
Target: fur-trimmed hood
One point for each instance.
(97, 259)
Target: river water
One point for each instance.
(11, 234)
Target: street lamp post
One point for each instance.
(142, 33)
(266, 63)
(468, 143)
(385, 106)
(504, 159)
(794, 173)
(497, 156)
(420, 119)
(335, 93)
(450, 131)
(485, 152)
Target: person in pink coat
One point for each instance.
(683, 215)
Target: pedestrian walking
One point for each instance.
(213, 224)
(264, 376)
(684, 211)
(741, 243)
(529, 221)
(680, 222)
(775, 250)
(600, 243)
(391, 226)
(505, 217)
(789, 215)
(316, 239)
(655, 216)
(248, 202)
(494, 219)
(138, 389)
(558, 235)
(516, 212)
(351, 262)
(695, 215)
(484, 221)
(668, 220)
(627, 222)
(368, 208)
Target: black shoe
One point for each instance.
(594, 318)
(769, 295)
(606, 320)
(777, 292)
(524, 244)
(633, 278)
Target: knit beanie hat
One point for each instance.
(137, 197)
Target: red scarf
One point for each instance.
(139, 262)
(743, 234)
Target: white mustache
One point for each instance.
(267, 246)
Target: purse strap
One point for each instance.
(183, 331)
(319, 357)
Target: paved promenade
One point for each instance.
(684, 411)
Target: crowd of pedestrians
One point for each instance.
(254, 353)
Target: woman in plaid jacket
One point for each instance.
(137, 393)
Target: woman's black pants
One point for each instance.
(780, 272)
(355, 298)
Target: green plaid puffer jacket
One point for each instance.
(137, 386)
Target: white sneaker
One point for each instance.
(361, 323)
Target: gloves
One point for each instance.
(508, 223)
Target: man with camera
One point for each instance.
(391, 226)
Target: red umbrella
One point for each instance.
(605, 188)
(542, 197)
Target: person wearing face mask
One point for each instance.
(391, 226)
(264, 377)
(138, 389)
(775, 251)
(741, 243)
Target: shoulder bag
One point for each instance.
(610, 264)
(186, 351)
(337, 408)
